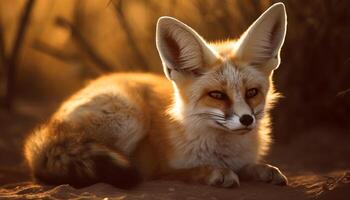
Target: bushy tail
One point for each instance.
(61, 158)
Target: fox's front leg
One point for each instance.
(206, 175)
(263, 172)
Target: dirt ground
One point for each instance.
(317, 165)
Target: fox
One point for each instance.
(206, 122)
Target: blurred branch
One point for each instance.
(243, 11)
(13, 57)
(52, 51)
(2, 47)
(172, 7)
(256, 4)
(154, 4)
(85, 46)
(202, 8)
(249, 15)
(129, 34)
(78, 17)
(343, 93)
(225, 18)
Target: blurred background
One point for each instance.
(50, 49)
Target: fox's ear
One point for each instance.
(182, 50)
(260, 45)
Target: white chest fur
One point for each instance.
(215, 149)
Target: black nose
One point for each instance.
(246, 120)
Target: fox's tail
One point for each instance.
(60, 158)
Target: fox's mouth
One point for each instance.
(239, 131)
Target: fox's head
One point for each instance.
(225, 85)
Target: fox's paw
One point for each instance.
(271, 174)
(223, 178)
(265, 173)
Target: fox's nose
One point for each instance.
(246, 120)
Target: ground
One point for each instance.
(317, 165)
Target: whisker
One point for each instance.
(211, 114)
(219, 115)
(259, 114)
(198, 117)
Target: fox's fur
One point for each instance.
(126, 127)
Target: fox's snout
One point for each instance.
(234, 122)
(246, 120)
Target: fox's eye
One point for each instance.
(250, 93)
(217, 95)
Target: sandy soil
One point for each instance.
(334, 186)
(317, 165)
(151, 190)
